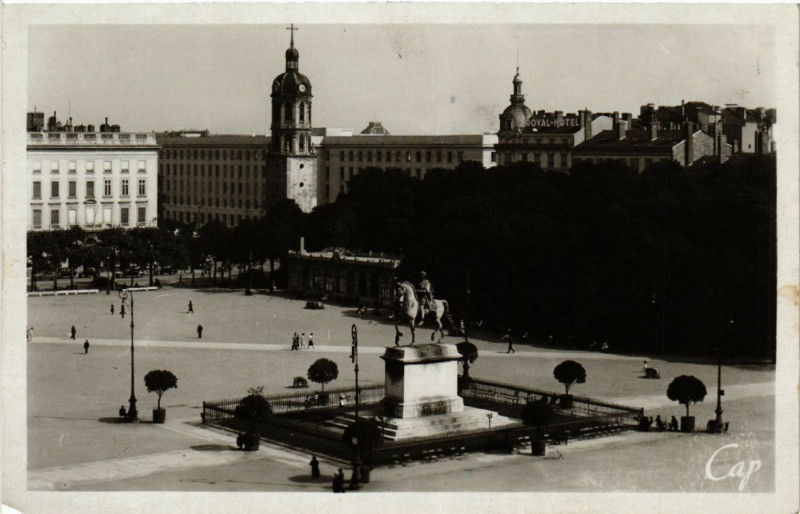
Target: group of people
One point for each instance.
(301, 342)
(338, 477)
(73, 332)
(662, 425)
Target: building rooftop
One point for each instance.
(635, 140)
(212, 140)
(92, 139)
(404, 141)
(343, 255)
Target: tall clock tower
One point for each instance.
(293, 162)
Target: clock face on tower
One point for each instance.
(302, 88)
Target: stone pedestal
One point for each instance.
(422, 396)
(421, 380)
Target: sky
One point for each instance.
(415, 79)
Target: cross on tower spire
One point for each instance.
(292, 28)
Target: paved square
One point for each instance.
(74, 443)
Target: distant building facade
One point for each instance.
(341, 275)
(93, 180)
(342, 156)
(204, 177)
(543, 138)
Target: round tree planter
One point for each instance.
(538, 448)
(687, 424)
(159, 415)
(565, 402)
(251, 442)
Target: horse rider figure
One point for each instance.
(397, 304)
(425, 292)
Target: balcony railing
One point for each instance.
(91, 138)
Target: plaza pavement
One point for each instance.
(74, 443)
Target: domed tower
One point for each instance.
(515, 117)
(292, 156)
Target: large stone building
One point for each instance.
(88, 179)
(204, 177)
(343, 155)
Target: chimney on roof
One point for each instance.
(586, 123)
(620, 128)
(741, 112)
(683, 110)
(687, 133)
(762, 113)
(302, 245)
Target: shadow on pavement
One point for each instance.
(306, 479)
(213, 448)
(114, 421)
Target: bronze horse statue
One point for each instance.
(411, 309)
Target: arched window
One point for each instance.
(287, 113)
(308, 106)
(276, 113)
(302, 112)
(288, 144)
(302, 142)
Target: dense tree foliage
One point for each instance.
(159, 381)
(686, 390)
(569, 373)
(323, 371)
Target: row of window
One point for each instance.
(243, 188)
(545, 160)
(540, 140)
(247, 155)
(72, 188)
(217, 202)
(399, 156)
(347, 174)
(205, 217)
(193, 169)
(88, 166)
(303, 112)
(92, 217)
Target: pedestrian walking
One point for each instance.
(644, 367)
(199, 331)
(295, 342)
(112, 309)
(86, 347)
(311, 340)
(122, 412)
(122, 311)
(510, 342)
(302, 340)
(73, 332)
(191, 308)
(314, 467)
(29, 334)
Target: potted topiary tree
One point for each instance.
(537, 414)
(252, 409)
(368, 437)
(568, 373)
(469, 354)
(322, 372)
(159, 381)
(686, 389)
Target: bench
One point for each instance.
(65, 292)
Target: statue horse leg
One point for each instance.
(411, 326)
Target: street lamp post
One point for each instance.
(356, 478)
(720, 392)
(132, 412)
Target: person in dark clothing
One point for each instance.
(338, 482)
(86, 347)
(311, 340)
(191, 309)
(240, 441)
(122, 412)
(122, 311)
(510, 342)
(73, 332)
(673, 424)
(112, 309)
(314, 467)
(199, 331)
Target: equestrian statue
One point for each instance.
(412, 304)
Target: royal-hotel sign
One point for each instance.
(552, 122)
